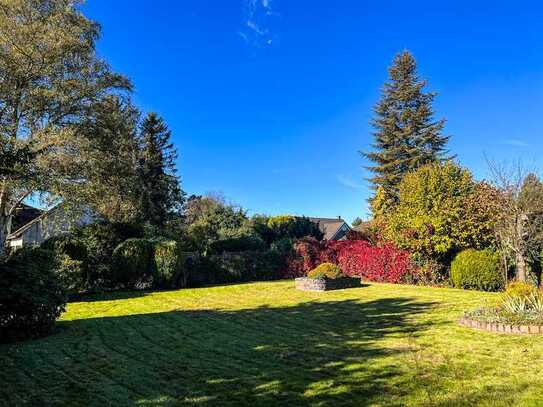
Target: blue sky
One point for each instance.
(269, 100)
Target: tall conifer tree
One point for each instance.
(406, 135)
(162, 196)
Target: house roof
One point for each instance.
(24, 214)
(329, 226)
(20, 231)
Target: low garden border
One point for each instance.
(322, 284)
(502, 328)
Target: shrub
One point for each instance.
(72, 273)
(305, 256)
(427, 272)
(68, 245)
(327, 271)
(236, 267)
(237, 244)
(230, 268)
(133, 263)
(203, 271)
(266, 265)
(359, 258)
(477, 269)
(519, 289)
(384, 263)
(31, 295)
(170, 265)
(71, 262)
(93, 246)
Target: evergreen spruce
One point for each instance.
(106, 150)
(406, 135)
(161, 195)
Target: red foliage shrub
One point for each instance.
(383, 263)
(305, 257)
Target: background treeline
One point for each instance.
(215, 243)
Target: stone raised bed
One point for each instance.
(321, 284)
(502, 328)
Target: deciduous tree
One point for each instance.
(50, 77)
(519, 228)
(438, 214)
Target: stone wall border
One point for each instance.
(321, 284)
(502, 328)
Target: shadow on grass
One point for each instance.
(315, 353)
(108, 296)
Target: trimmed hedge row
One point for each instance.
(154, 263)
(236, 267)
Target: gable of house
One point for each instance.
(332, 228)
(53, 222)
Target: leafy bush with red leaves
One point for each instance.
(357, 258)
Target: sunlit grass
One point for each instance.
(268, 344)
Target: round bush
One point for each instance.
(326, 270)
(171, 265)
(133, 263)
(477, 270)
(31, 295)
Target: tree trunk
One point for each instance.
(4, 231)
(521, 266)
(520, 260)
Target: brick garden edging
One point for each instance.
(321, 284)
(502, 328)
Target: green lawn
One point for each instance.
(268, 344)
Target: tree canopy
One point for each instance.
(406, 135)
(51, 78)
(441, 210)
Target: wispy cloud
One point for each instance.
(259, 20)
(349, 182)
(515, 142)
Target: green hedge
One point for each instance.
(237, 267)
(477, 270)
(133, 263)
(172, 264)
(86, 261)
(32, 296)
(85, 257)
(237, 244)
(71, 262)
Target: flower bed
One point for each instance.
(324, 284)
(519, 310)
